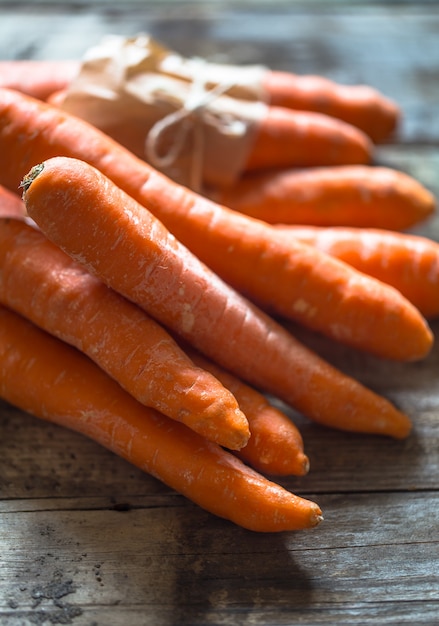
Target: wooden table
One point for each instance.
(86, 539)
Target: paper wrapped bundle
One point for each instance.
(191, 119)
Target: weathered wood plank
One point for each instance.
(180, 562)
(405, 517)
(363, 614)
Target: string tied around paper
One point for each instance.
(186, 119)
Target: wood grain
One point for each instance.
(89, 540)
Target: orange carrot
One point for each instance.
(42, 283)
(286, 138)
(410, 263)
(11, 205)
(276, 445)
(117, 239)
(289, 278)
(51, 380)
(344, 195)
(360, 105)
(38, 79)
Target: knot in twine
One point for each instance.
(189, 118)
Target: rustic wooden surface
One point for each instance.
(86, 539)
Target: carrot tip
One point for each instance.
(236, 443)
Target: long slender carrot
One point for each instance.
(344, 195)
(11, 205)
(289, 278)
(360, 105)
(287, 138)
(38, 79)
(410, 263)
(53, 381)
(276, 445)
(42, 283)
(116, 238)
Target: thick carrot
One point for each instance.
(360, 105)
(45, 285)
(117, 239)
(290, 278)
(344, 195)
(38, 79)
(51, 380)
(410, 263)
(287, 138)
(11, 205)
(275, 446)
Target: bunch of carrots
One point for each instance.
(146, 316)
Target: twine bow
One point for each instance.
(187, 119)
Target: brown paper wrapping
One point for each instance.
(193, 120)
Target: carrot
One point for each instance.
(344, 195)
(51, 380)
(11, 205)
(286, 138)
(289, 278)
(117, 239)
(43, 284)
(38, 79)
(275, 446)
(410, 263)
(360, 105)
